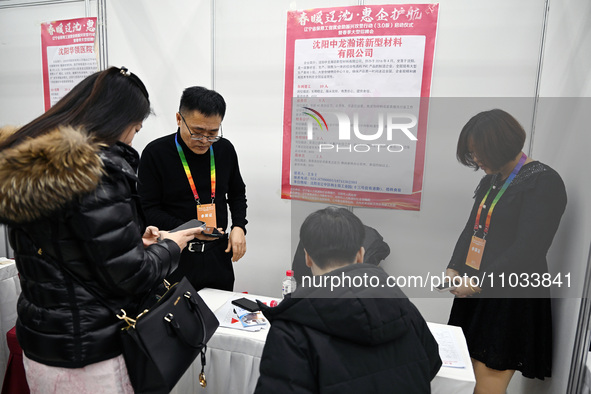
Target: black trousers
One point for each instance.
(211, 268)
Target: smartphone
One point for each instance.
(212, 232)
(190, 224)
(446, 286)
(246, 304)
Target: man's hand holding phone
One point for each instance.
(447, 285)
(212, 232)
(190, 230)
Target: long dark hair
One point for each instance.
(103, 105)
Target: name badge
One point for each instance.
(475, 252)
(206, 213)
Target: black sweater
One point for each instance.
(165, 191)
(522, 227)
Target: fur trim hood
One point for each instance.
(42, 174)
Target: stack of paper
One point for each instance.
(449, 348)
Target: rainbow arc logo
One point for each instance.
(315, 116)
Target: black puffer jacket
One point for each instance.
(70, 199)
(361, 340)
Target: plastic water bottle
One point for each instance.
(289, 283)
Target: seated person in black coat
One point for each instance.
(335, 334)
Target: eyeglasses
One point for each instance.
(199, 137)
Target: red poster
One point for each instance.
(357, 85)
(69, 54)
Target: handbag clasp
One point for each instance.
(123, 316)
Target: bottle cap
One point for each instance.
(289, 272)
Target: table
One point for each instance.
(234, 357)
(10, 289)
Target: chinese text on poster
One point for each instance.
(356, 95)
(69, 55)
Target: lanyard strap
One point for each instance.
(188, 171)
(497, 197)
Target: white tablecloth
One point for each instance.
(10, 289)
(234, 357)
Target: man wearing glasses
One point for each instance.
(194, 174)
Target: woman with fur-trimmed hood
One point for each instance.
(68, 195)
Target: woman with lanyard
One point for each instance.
(499, 262)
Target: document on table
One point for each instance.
(449, 348)
(229, 315)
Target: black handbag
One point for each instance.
(162, 342)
